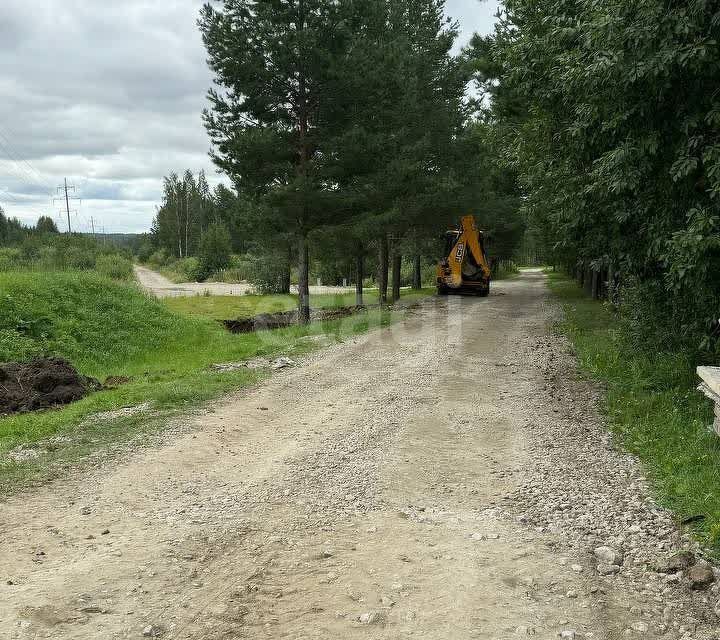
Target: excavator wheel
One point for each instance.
(484, 293)
(442, 291)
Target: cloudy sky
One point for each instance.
(109, 95)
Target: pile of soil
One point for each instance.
(266, 321)
(41, 383)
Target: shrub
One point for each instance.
(10, 259)
(159, 258)
(145, 251)
(214, 250)
(48, 258)
(268, 276)
(114, 266)
(188, 269)
(78, 258)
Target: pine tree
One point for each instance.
(45, 224)
(280, 64)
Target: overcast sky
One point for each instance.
(110, 94)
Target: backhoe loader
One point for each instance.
(465, 268)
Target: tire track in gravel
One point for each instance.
(413, 482)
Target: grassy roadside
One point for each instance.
(106, 329)
(653, 406)
(247, 306)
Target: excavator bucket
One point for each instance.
(464, 268)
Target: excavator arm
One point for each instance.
(465, 267)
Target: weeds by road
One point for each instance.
(652, 404)
(107, 329)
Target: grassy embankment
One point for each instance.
(654, 407)
(106, 329)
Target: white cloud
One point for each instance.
(110, 94)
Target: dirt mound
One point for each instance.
(266, 321)
(41, 383)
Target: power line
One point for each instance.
(16, 156)
(6, 196)
(17, 166)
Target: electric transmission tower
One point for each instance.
(65, 187)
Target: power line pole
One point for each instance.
(92, 224)
(65, 187)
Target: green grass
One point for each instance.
(247, 306)
(654, 407)
(106, 328)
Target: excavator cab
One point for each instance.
(464, 269)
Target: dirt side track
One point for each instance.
(436, 479)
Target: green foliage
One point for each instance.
(10, 258)
(189, 269)
(270, 273)
(12, 231)
(46, 225)
(214, 250)
(49, 251)
(187, 208)
(608, 114)
(114, 266)
(652, 404)
(158, 258)
(144, 251)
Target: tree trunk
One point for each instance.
(595, 286)
(187, 226)
(396, 264)
(359, 264)
(285, 282)
(285, 277)
(417, 274)
(303, 282)
(179, 227)
(587, 279)
(382, 276)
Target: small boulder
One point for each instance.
(372, 617)
(608, 555)
(679, 562)
(605, 569)
(640, 626)
(153, 631)
(700, 576)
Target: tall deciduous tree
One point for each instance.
(618, 146)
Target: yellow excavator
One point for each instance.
(464, 269)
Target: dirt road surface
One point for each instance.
(444, 478)
(160, 286)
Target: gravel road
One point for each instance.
(160, 286)
(444, 478)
